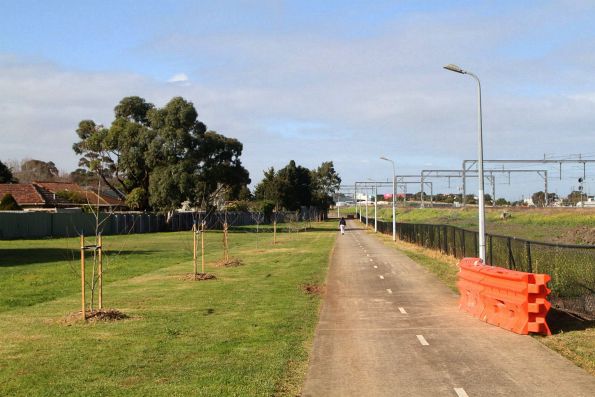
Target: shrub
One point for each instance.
(73, 197)
(8, 203)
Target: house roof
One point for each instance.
(44, 194)
(23, 193)
(92, 197)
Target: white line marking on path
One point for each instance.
(390, 291)
(381, 277)
(375, 267)
(367, 254)
(461, 392)
(422, 340)
(371, 260)
(402, 310)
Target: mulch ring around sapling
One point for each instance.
(95, 316)
(313, 289)
(199, 277)
(231, 262)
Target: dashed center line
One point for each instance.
(371, 260)
(381, 277)
(390, 291)
(461, 392)
(375, 267)
(402, 310)
(422, 340)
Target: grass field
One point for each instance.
(246, 333)
(558, 225)
(572, 337)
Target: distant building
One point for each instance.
(56, 196)
(528, 202)
(589, 203)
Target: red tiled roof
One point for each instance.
(91, 196)
(23, 193)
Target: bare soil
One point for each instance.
(579, 235)
(314, 289)
(231, 262)
(103, 315)
(199, 277)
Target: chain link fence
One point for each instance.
(572, 267)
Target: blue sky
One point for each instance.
(310, 80)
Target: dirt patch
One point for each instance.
(103, 315)
(199, 277)
(231, 262)
(579, 235)
(313, 289)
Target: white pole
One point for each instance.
(375, 208)
(394, 198)
(367, 201)
(394, 204)
(482, 245)
(482, 231)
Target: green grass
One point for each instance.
(559, 225)
(246, 333)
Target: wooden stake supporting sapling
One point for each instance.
(100, 270)
(194, 243)
(83, 317)
(202, 244)
(96, 281)
(195, 275)
(225, 242)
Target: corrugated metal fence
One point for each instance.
(16, 225)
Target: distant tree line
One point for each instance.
(294, 186)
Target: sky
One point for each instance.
(314, 81)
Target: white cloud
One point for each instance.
(179, 78)
(314, 97)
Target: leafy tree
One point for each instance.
(295, 186)
(73, 197)
(136, 198)
(326, 182)
(83, 177)
(8, 203)
(6, 174)
(37, 170)
(166, 152)
(502, 201)
(470, 199)
(269, 188)
(575, 197)
(539, 198)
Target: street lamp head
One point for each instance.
(384, 158)
(454, 68)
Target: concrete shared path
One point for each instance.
(390, 328)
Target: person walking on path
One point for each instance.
(342, 224)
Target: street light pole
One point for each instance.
(394, 194)
(375, 206)
(482, 244)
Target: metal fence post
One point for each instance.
(491, 250)
(509, 245)
(463, 245)
(529, 265)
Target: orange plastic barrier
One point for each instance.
(512, 300)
